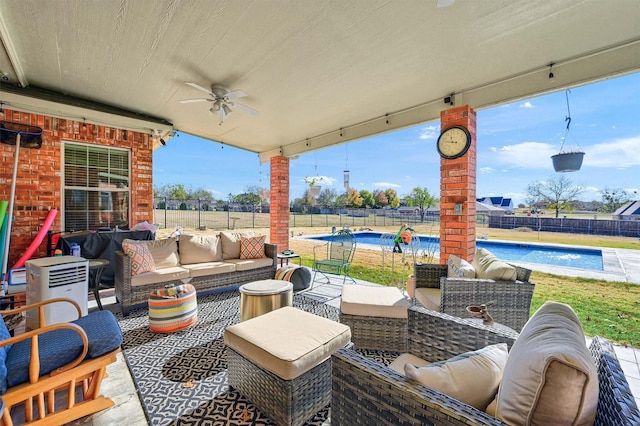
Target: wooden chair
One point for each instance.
(335, 256)
(54, 373)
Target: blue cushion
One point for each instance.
(60, 347)
(4, 334)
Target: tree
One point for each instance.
(251, 196)
(558, 193)
(392, 198)
(368, 201)
(353, 198)
(421, 198)
(202, 194)
(380, 198)
(327, 197)
(613, 199)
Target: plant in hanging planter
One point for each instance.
(567, 161)
(314, 189)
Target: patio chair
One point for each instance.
(367, 392)
(52, 374)
(451, 295)
(335, 256)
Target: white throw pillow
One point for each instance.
(472, 377)
(550, 376)
(488, 266)
(460, 268)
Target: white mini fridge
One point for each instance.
(58, 276)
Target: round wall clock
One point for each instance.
(454, 142)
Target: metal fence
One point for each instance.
(623, 228)
(206, 214)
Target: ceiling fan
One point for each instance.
(221, 99)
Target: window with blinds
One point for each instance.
(96, 187)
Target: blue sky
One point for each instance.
(515, 142)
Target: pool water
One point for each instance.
(583, 258)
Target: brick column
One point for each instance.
(279, 225)
(458, 186)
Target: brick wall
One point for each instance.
(279, 224)
(458, 185)
(39, 178)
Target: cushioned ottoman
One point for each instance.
(281, 362)
(377, 316)
(173, 308)
(299, 276)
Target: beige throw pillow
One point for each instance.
(200, 248)
(472, 377)
(550, 376)
(490, 267)
(231, 243)
(460, 268)
(164, 252)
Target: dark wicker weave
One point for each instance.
(511, 300)
(366, 392)
(286, 402)
(129, 295)
(616, 404)
(385, 334)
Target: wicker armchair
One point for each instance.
(512, 301)
(366, 392)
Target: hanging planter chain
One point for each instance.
(569, 161)
(567, 131)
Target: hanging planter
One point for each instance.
(314, 190)
(567, 161)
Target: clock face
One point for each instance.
(454, 142)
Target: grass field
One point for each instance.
(607, 309)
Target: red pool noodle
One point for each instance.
(37, 240)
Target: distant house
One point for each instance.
(630, 211)
(489, 210)
(409, 211)
(502, 202)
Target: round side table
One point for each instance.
(260, 297)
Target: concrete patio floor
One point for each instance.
(620, 265)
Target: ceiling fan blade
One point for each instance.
(234, 94)
(188, 101)
(244, 108)
(202, 89)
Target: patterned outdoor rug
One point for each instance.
(181, 378)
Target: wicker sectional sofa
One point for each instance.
(511, 299)
(205, 261)
(367, 392)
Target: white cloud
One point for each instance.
(429, 132)
(526, 155)
(619, 153)
(486, 170)
(386, 185)
(526, 105)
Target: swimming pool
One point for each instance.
(583, 258)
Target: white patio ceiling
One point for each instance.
(319, 72)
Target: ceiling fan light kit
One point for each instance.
(221, 100)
